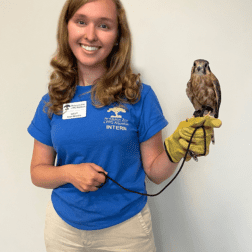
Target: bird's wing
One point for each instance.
(217, 91)
(189, 91)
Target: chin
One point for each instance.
(92, 64)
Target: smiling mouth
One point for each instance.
(90, 48)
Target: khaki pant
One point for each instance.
(133, 235)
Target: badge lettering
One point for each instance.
(74, 110)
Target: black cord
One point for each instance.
(153, 195)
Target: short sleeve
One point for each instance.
(40, 127)
(152, 119)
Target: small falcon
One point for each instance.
(203, 90)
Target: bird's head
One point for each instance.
(201, 67)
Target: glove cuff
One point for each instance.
(168, 153)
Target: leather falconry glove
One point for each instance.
(177, 143)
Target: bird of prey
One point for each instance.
(203, 90)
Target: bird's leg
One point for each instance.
(197, 113)
(212, 138)
(193, 155)
(206, 108)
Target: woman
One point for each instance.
(98, 117)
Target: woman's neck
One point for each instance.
(88, 75)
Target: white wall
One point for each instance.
(208, 207)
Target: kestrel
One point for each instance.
(203, 90)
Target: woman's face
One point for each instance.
(93, 32)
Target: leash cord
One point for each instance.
(153, 195)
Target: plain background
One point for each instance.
(208, 207)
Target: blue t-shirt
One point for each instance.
(109, 137)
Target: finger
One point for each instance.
(99, 177)
(212, 122)
(99, 185)
(90, 188)
(196, 121)
(98, 168)
(94, 188)
(186, 133)
(196, 148)
(86, 190)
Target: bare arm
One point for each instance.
(44, 174)
(157, 165)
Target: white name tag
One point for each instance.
(74, 110)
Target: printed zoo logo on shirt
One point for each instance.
(116, 120)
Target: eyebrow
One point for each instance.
(102, 18)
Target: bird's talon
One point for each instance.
(193, 155)
(213, 139)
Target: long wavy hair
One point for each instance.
(118, 85)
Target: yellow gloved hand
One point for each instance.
(177, 144)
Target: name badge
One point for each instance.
(74, 110)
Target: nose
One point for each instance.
(91, 33)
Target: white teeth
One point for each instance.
(88, 48)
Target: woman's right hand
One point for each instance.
(85, 176)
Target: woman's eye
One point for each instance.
(81, 22)
(104, 26)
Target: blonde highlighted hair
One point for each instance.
(118, 85)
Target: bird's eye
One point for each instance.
(194, 64)
(206, 65)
